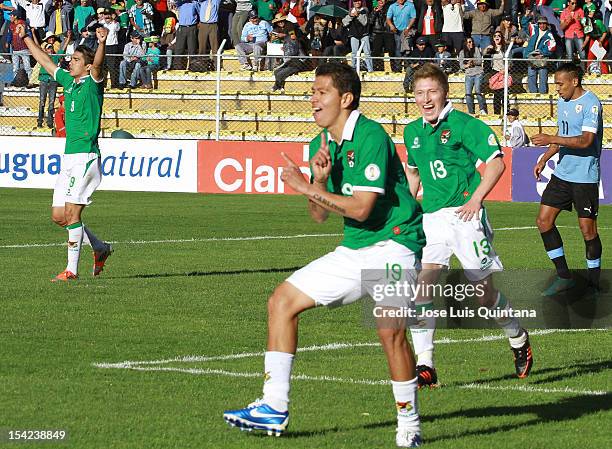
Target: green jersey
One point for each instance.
(83, 100)
(366, 160)
(446, 156)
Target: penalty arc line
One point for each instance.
(236, 239)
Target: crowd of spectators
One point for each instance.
(466, 36)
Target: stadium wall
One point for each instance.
(227, 167)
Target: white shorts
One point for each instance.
(79, 177)
(471, 241)
(336, 278)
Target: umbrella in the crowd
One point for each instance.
(329, 10)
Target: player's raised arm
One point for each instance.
(321, 168)
(38, 53)
(98, 63)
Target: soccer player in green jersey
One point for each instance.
(443, 149)
(357, 174)
(81, 171)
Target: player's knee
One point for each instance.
(589, 231)
(58, 218)
(544, 223)
(281, 302)
(392, 338)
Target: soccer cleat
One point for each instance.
(559, 285)
(100, 259)
(65, 276)
(258, 416)
(406, 437)
(426, 376)
(523, 358)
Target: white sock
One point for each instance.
(511, 326)
(423, 335)
(277, 366)
(75, 238)
(95, 242)
(518, 341)
(405, 394)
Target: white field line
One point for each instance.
(327, 347)
(155, 365)
(234, 239)
(349, 380)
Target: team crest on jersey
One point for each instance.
(491, 140)
(350, 158)
(372, 172)
(578, 108)
(415, 143)
(445, 136)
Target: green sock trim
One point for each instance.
(78, 224)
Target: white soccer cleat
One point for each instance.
(407, 437)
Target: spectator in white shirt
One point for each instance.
(452, 29)
(515, 134)
(112, 61)
(35, 14)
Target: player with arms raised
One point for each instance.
(81, 171)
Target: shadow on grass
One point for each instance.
(550, 374)
(566, 409)
(207, 273)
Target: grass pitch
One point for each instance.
(176, 288)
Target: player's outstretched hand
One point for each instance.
(321, 162)
(469, 210)
(292, 175)
(101, 34)
(541, 139)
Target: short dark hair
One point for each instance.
(344, 78)
(433, 71)
(571, 69)
(88, 53)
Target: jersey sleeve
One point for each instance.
(408, 140)
(481, 141)
(591, 111)
(63, 77)
(371, 163)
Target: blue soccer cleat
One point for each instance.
(258, 416)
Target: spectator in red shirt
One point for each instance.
(60, 118)
(295, 12)
(20, 49)
(572, 29)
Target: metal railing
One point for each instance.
(212, 97)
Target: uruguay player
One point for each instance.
(576, 177)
